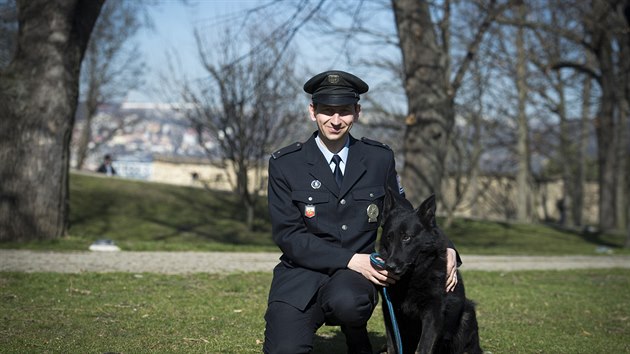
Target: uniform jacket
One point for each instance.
(317, 225)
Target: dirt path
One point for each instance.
(224, 262)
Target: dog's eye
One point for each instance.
(406, 238)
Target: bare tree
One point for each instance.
(467, 148)
(431, 85)
(243, 110)
(602, 26)
(571, 132)
(112, 67)
(38, 97)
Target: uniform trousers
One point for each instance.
(347, 299)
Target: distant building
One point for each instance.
(138, 166)
(141, 129)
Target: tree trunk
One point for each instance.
(606, 139)
(623, 92)
(567, 153)
(84, 142)
(86, 133)
(523, 178)
(431, 113)
(622, 161)
(38, 95)
(604, 121)
(625, 7)
(578, 199)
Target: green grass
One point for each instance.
(144, 216)
(487, 237)
(581, 311)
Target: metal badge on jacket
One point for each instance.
(372, 213)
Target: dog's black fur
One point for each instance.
(430, 320)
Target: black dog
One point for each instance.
(430, 320)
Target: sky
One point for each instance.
(172, 36)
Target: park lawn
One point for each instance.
(142, 216)
(579, 311)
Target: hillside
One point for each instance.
(152, 216)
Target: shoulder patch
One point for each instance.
(287, 150)
(375, 143)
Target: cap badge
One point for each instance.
(315, 184)
(333, 78)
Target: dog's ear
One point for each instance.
(394, 200)
(388, 204)
(426, 212)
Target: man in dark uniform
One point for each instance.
(325, 202)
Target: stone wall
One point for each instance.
(493, 197)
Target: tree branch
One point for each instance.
(491, 15)
(577, 66)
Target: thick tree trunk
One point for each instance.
(38, 95)
(606, 139)
(605, 121)
(431, 113)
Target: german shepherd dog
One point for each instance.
(414, 248)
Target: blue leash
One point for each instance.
(376, 262)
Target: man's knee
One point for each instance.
(349, 309)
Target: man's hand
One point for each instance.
(360, 263)
(451, 269)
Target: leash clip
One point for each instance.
(377, 261)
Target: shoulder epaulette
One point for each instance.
(375, 143)
(287, 150)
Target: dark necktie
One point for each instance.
(338, 176)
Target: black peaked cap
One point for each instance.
(335, 88)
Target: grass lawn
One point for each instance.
(144, 216)
(581, 311)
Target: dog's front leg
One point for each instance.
(431, 323)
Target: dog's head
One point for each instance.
(408, 235)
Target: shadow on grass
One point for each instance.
(336, 343)
(591, 235)
(131, 210)
(218, 218)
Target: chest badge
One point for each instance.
(315, 184)
(309, 211)
(372, 213)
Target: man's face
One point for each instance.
(334, 122)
